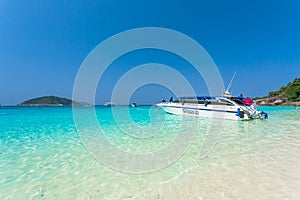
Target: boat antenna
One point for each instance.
(230, 83)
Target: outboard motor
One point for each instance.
(265, 115)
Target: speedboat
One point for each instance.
(226, 107)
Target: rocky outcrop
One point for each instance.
(288, 95)
(276, 101)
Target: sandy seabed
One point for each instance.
(274, 175)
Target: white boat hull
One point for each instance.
(212, 111)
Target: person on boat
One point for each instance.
(163, 100)
(247, 102)
(171, 100)
(241, 96)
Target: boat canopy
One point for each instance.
(210, 100)
(198, 99)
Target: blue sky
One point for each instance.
(43, 43)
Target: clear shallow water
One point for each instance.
(43, 157)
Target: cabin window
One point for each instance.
(239, 101)
(222, 102)
(227, 103)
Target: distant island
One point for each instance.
(49, 101)
(288, 95)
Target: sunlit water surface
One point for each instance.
(42, 155)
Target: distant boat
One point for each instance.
(109, 104)
(134, 105)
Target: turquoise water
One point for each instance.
(45, 155)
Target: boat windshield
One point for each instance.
(238, 100)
